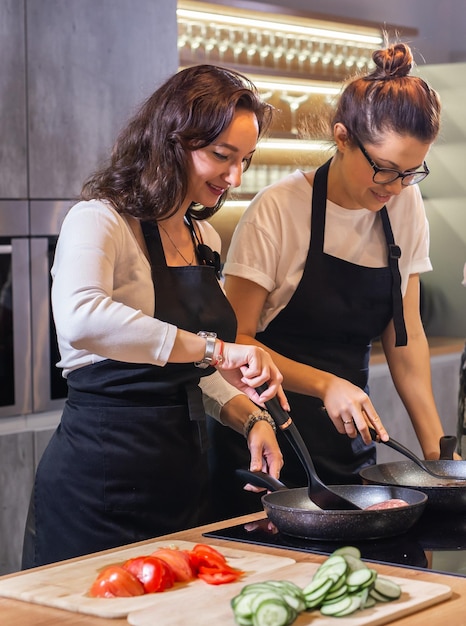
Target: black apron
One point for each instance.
(128, 460)
(338, 308)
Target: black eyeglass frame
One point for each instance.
(416, 177)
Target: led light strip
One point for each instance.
(297, 87)
(297, 145)
(270, 25)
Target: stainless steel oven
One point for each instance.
(15, 310)
(30, 382)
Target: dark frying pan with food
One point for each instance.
(444, 482)
(443, 493)
(293, 513)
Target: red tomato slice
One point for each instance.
(116, 582)
(215, 576)
(134, 565)
(153, 573)
(178, 561)
(207, 555)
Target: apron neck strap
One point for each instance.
(394, 253)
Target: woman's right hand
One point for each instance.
(351, 410)
(246, 367)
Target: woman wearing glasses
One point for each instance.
(323, 262)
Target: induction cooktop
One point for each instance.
(436, 543)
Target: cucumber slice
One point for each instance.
(336, 561)
(316, 584)
(241, 605)
(377, 596)
(347, 550)
(335, 608)
(387, 588)
(354, 606)
(315, 598)
(340, 592)
(361, 578)
(271, 613)
(354, 563)
(335, 571)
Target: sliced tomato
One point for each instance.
(194, 560)
(207, 555)
(178, 561)
(116, 582)
(154, 574)
(134, 565)
(217, 576)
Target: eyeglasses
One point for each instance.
(384, 175)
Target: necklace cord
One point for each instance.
(176, 247)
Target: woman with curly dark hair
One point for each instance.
(143, 325)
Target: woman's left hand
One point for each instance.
(265, 452)
(248, 366)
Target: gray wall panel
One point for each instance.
(16, 479)
(90, 64)
(13, 160)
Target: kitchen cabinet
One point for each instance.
(13, 154)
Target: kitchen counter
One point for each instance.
(451, 611)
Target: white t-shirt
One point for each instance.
(271, 241)
(103, 297)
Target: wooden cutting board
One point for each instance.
(211, 607)
(65, 586)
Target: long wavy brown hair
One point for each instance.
(147, 173)
(389, 99)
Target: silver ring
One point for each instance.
(347, 422)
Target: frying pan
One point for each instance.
(447, 446)
(445, 494)
(293, 513)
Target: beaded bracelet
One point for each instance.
(255, 417)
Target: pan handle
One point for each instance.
(447, 447)
(281, 417)
(260, 479)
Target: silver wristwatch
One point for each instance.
(209, 349)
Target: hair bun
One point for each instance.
(395, 61)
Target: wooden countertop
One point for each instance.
(451, 611)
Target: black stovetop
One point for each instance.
(436, 543)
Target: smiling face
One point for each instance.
(220, 165)
(352, 186)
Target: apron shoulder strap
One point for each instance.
(394, 253)
(151, 234)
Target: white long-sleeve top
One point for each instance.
(103, 297)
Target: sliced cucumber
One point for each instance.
(271, 612)
(354, 563)
(334, 608)
(387, 588)
(315, 598)
(341, 585)
(347, 550)
(361, 578)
